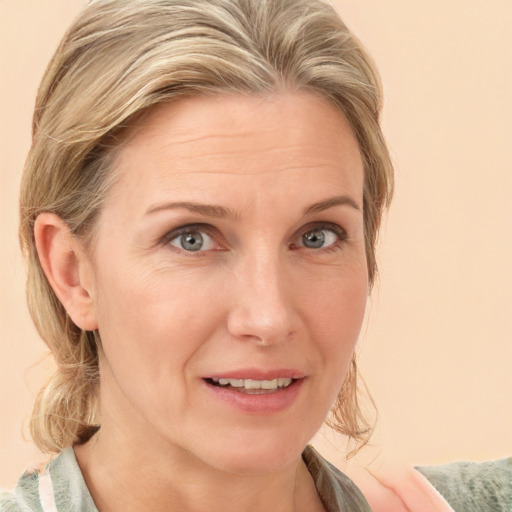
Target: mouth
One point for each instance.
(252, 386)
(257, 391)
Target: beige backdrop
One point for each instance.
(438, 349)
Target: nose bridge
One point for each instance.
(262, 309)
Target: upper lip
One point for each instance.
(258, 374)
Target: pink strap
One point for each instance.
(46, 496)
(399, 488)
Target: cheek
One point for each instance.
(338, 299)
(336, 312)
(152, 332)
(144, 320)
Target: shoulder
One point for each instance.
(473, 486)
(57, 486)
(24, 497)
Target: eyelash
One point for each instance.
(340, 233)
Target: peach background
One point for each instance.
(437, 352)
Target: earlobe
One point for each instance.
(66, 268)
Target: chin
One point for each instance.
(262, 452)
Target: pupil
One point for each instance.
(314, 239)
(192, 241)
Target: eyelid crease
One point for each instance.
(319, 225)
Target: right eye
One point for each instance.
(192, 240)
(319, 238)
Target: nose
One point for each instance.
(262, 309)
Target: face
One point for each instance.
(229, 278)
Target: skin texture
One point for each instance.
(253, 298)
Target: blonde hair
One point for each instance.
(119, 59)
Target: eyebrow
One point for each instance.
(206, 210)
(220, 212)
(329, 203)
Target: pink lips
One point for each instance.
(264, 403)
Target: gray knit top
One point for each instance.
(467, 486)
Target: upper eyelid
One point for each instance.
(332, 226)
(198, 226)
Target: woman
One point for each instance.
(199, 211)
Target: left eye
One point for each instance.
(193, 241)
(319, 238)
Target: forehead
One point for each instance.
(263, 142)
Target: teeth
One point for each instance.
(281, 382)
(236, 383)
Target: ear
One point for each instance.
(67, 269)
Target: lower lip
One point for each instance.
(262, 403)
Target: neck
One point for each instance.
(124, 474)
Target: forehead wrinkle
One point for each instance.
(177, 139)
(210, 143)
(223, 163)
(242, 172)
(190, 135)
(291, 139)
